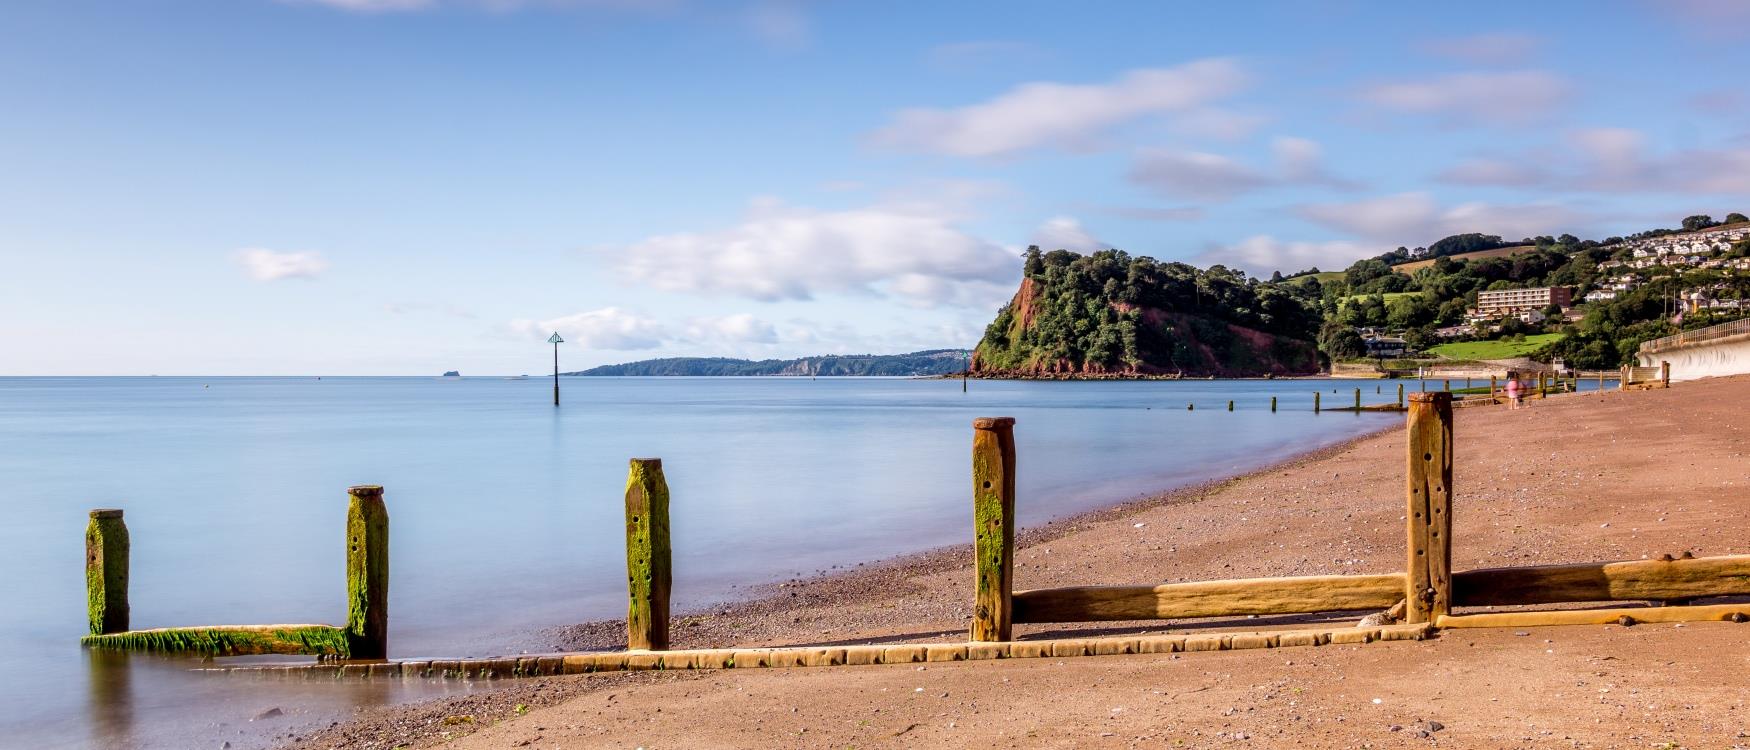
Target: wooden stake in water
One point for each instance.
(1230, 405)
(648, 575)
(1272, 404)
(1428, 587)
(993, 517)
(1357, 399)
(367, 573)
(1316, 395)
(1400, 396)
(106, 572)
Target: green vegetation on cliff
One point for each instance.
(1108, 313)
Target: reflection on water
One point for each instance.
(508, 512)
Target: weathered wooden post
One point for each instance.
(993, 515)
(367, 573)
(1665, 373)
(1357, 399)
(1492, 383)
(106, 572)
(1428, 590)
(1230, 405)
(1272, 404)
(1542, 384)
(648, 574)
(1400, 396)
(1316, 402)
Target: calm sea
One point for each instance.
(506, 513)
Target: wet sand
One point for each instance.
(1572, 479)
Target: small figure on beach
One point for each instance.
(1513, 394)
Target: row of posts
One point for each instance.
(649, 572)
(107, 549)
(1428, 517)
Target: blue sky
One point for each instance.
(410, 186)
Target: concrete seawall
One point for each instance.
(1705, 353)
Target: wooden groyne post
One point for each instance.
(1400, 396)
(1428, 581)
(993, 516)
(1272, 404)
(1316, 402)
(106, 571)
(1492, 383)
(367, 573)
(1230, 405)
(1665, 373)
(648, 575)
(1357, 399)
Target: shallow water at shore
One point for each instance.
(506, 512)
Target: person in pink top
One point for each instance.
(1513, 390)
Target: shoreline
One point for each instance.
(1525, 498)
(755, 616)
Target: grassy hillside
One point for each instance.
(1411, 268)
(1495, 349)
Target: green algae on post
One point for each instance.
(648, 574)
(367, 573)
(106, 572)
(231, 640)
(993, 515)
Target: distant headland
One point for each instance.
(929, 362)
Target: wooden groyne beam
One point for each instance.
(1253, 596)
(833, 656)
(231, 640)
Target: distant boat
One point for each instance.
(452, 374)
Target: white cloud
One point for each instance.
(1157, 213)
(397, 6)
(1490, 171)
(1262, 254)
(741, 328)
(1493, 48)
(977, 54)
(1514, 97)
(263, 264)
(1614, 160)
(1413, 219)
(1067, 233)
(788, 253)
(1194, 174)
(1040, 114)
(607, 328)
(1213, 177)
(781, 24)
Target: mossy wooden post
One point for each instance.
(1316, 401)
(367, 573)
(993, 515)
(648, 574)
(1428, 582)
(1272, 404)
(106, 572)
(1357, 399)
(1400, 396)
(1230, 405)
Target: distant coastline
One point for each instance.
(913, 364)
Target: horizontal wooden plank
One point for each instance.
(1635, 615)
(1656, 580)
(1252, 596)
(229, 640)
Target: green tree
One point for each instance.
(1698, 221)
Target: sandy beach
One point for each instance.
(1620, 476)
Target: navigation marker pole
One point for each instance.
(555, 340)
